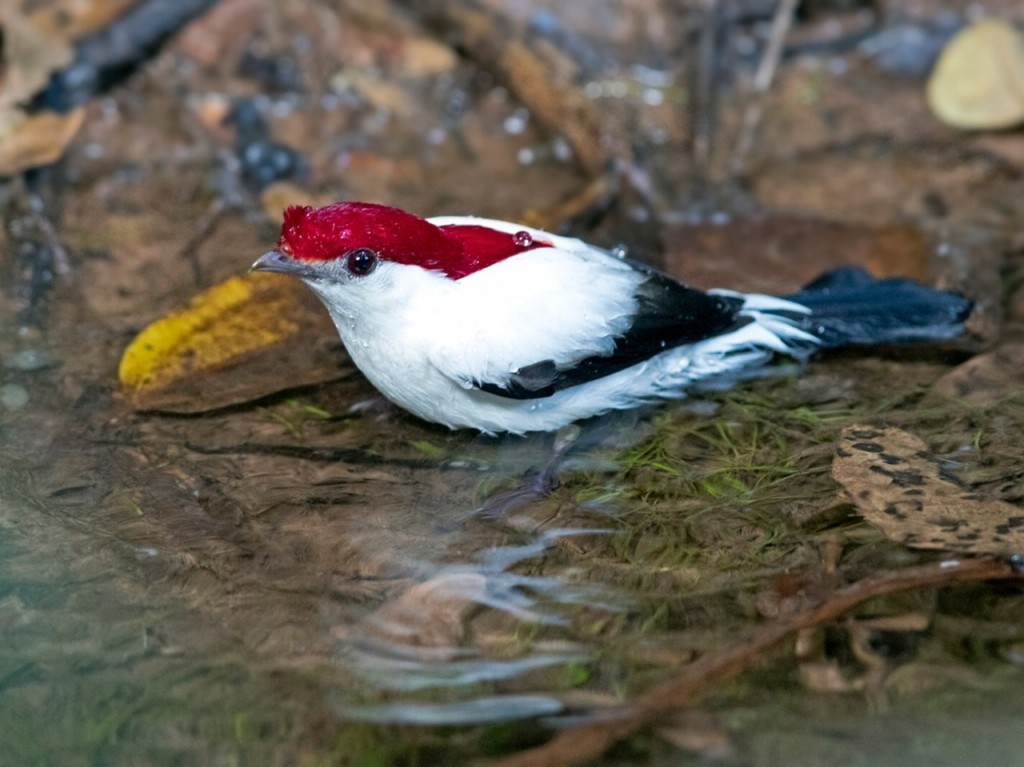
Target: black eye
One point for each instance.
(361, 262)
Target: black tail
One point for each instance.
(850, 307)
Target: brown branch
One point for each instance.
(591, 740)
(108, 55)
(704, 101)
(762, 82)
(493, 41)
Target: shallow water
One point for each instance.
(308, 577)
(226, 589)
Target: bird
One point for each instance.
(499, 327)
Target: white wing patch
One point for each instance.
(545, 304)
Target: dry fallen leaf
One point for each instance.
(987, 379)
(234, 343)
(72, 20)
(978, 81)
(700, 733)
(28, 57)
(379, 93)
(218, 37)
(424, 57)
(34, 140)
(899, 486)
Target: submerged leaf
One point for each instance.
(429, 614)
(899, 486)
(248, 322)
(986, 379)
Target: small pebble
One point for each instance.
(516, 122)
(561, 149)
(13, 396)
(653, 97)
(29, 360)
(526, 156)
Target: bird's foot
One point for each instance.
(536, 487)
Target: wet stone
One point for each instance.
(13, 396)
(29, 360)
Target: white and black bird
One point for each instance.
(494, 326)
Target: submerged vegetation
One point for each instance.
(261, 564)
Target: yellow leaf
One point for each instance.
(171, 363)
(978, 81)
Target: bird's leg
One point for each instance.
(378, 406)
(542, 483)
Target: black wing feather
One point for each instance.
(668, 315)
(849, 307)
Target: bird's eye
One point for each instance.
(361, 262)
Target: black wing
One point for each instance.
(669, 314)
(850, 307)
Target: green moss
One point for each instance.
(372, 746)
(293, 416)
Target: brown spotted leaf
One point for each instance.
(899, 486)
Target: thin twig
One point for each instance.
(704, 104)
(762, 82)
(203, 230)
(494, 41)
(591, 740)
(37, 211)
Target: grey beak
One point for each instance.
(276, 261)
